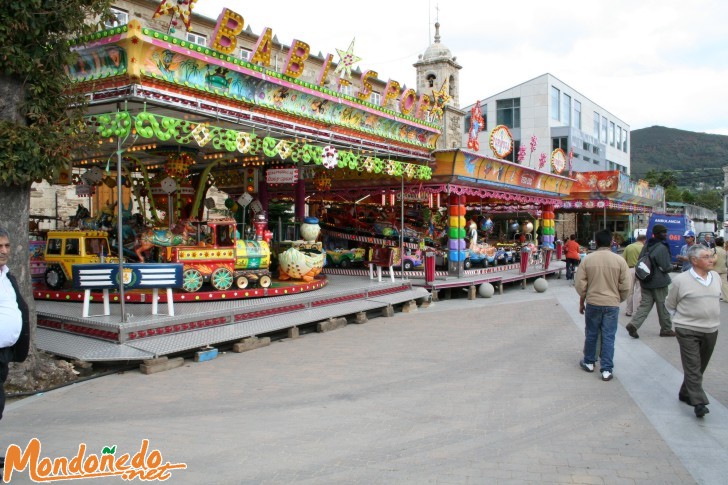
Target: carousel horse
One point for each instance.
(131, 226)
(81, 213)
(154, 236)
(83, 220)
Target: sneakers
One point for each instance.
(586, 367)
(667, 333)
(701, 410)
(607, 375)
(632, 330)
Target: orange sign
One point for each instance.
(145, 464)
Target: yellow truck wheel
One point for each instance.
(54, 277)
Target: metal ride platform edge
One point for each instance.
(496, 275)
(507, 274)
(64, 332)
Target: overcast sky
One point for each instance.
(648, 62)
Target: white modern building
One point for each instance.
(560, 117)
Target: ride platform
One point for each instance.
(202, 323)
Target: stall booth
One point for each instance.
(608, 200)
(475, 213)
(503, 204)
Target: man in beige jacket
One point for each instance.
(602, 282)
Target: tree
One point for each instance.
(40, 118)
(688, 197)
(673, 194)
(666, 178)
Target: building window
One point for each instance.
(611, 133)
(587, 159)
(560, 142)
(566, 109)
(245, 53)
(513, 156)
(122, 18)
(586, 147)
(346, 89)
(508, 112)
(603, 138)
(431, 80)
(196, 38)
(624, 142)
(595, 150)
(619, 137)
(596, 125)
(555, 103)
(375, 98)
(577, 115)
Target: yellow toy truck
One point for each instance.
(65, 248)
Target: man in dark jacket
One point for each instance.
(654, 290)
(14, 320)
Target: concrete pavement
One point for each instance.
(482, 391)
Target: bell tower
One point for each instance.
(437, 68)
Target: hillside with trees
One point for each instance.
(696, 159)
(688, 164)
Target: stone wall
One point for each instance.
(61, 202)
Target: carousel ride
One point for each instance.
(224, 257)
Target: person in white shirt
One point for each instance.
(14, 320)
(694, 302)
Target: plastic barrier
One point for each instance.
(429, 267)
(525, 256)
(547, 258)
(104, 276)
(381, 257)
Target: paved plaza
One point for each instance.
(484, 391)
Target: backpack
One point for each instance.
(643, 270)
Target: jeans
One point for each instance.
(604, 319)
(571, 265)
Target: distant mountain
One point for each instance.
(695, 158)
